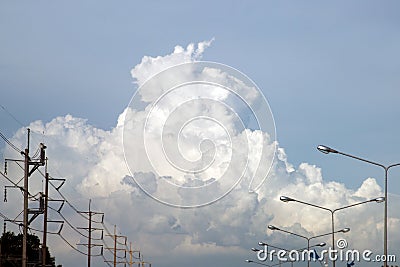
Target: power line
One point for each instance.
(64, 198)
(11, 115)
(41, 231)
(8, 179)
(70, 225)
(115, 247)
(105, 260)
(10, 143)
(16, 120)
(76, 210)
(90, 229)
(69, 244)
(65, 219)
(57, 189)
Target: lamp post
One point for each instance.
(327, 150)
(332, 211)
(274, 228)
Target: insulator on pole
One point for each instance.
(41, 202)
(42, 153)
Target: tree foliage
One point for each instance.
(11, 251)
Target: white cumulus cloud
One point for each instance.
(92, 160)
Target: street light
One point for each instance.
(327, 150)
(274, 228)
(332, 211)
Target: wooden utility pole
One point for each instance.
(45, 212)
(131, 262)
(35, 163)
(46, 200)
(90, 229)
(27, 173)
(25, 222)
(115, 249)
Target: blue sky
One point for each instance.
(330, 70)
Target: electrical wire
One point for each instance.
(64, 198)
(106, 261)
(70, 224)
(11, 115)
(74, 248)
(69, 244)
(36, 154)
(34, 197)
(10, 143)
(76, 210)
(57, 189)
(64, 218)
(37, 230)
(56, 233)
(8, 179)
(4, 217)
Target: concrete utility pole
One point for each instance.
(90, 229)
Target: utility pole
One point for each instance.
(90, 229)
(131, 257)
(27, 173)
(115, 249)
(35, 163)
(25, 223)
(46, 200)
(141, 262)
(45, 212)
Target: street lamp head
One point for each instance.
(321, 244)
(379, 199)
(262, 244)
(326, 150)
(286, 199)
(271, 227)
(255, 249)
(249, 261)
(345, 230)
